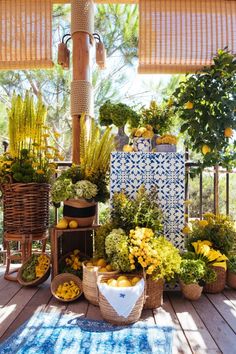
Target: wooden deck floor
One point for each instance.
(204, 326)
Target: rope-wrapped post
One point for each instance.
(82, 28)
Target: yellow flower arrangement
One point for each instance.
(42, 266)
(73, 260)
(166, 139)
(212, 257)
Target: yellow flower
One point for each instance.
(40, 172)
(202, 223)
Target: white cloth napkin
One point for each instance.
(122, 299)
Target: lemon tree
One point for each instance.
(206, 104)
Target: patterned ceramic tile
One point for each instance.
(166, 171)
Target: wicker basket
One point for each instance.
(231, 279)
(25, 208)
(90, 277)
(65, 277)
(108, 312)
(154, 293)
(37, 281)
(191, 291)
(80, 210)
(219, 284)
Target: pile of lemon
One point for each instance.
(65, 224)
(101, 262)
(68, 290)
(123, 281)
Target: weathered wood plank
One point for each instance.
(147, 316)
(80, 307)
(9, 290)
(37, 303)
(14, 307)
(94, 313)
(225, 308)
(231, 295)
(194, 329)
(165, 316)
(223, 335)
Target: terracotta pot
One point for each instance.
(191, 291)
(219, 284)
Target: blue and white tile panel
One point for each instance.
(166, 171)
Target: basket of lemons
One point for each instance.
(35, 270)
(91, 270)
(66, 287)
(121, 297)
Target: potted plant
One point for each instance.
(80, 187)
(205, 103)
(231, 272)
(166, 143)
(142, 138)
(218, 229)
(118, 114)
(191, 277)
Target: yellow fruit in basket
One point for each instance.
(122, 277)
(135, 280)
(73, 224)
(101, 262)
(89, 264)
(102, 270)
(62, 224)
(109, 268)
(148, 134)
(123, 283)
(112, 282)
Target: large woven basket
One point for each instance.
(90, 277)
(82, 211)
(25, 208)
(37, 281)
(231, 279)
(62, 278)
(108, 312)
(191, 291)
(154, 293)
(219, 284)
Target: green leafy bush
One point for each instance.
(232, 264)
(117, 250)
(192, 271)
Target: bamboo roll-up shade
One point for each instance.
(25, 34)
(101, 1)
(177, 36)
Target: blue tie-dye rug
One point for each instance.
(48, 333)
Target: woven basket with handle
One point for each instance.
(219, 284)
(154, 293)
(25, 207)
(108, 312)
(90, 276)
(62, 278)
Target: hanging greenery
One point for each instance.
(206, 104)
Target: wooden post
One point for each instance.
(81, 68)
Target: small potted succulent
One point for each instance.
(231, 272)
(191, 277)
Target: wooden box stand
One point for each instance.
(65, 241)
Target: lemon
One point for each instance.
(109, 268)
(62, 224)
(89, 264)
(101, 262)
(228, 133)
(73, 224)
(135, 280)
(122, 277)
(123, 283)
(112, 282)
(102, 270)
(206, 149)
(188, 105)
(127, 148)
